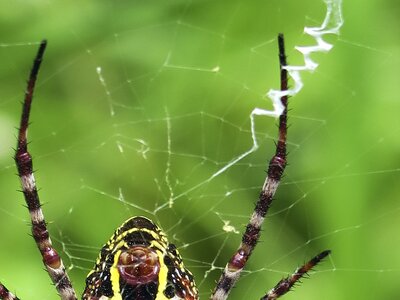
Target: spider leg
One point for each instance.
(23, 160)
(5, 294)
(285, 285)
(276, 168)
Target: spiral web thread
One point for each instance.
(331, 25)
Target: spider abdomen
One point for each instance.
(139, 263)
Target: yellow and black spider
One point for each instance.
(138, 262)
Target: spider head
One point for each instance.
(138, 265)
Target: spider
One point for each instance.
(138, 262)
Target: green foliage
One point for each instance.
(200, 67)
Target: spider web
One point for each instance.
(157, 109)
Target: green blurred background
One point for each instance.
(102, 151)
